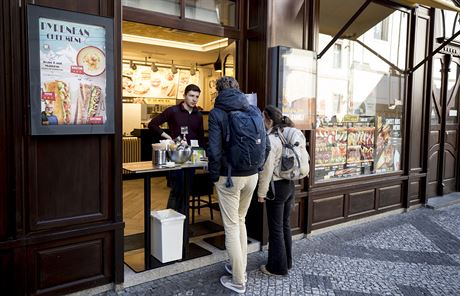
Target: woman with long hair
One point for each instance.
(278, 194)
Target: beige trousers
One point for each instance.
(234, 203)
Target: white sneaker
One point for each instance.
(228, 283)
(228, 269)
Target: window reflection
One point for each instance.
(213, 11)
(436, 92)
(360, 104)
(452, 93)
(171, 7)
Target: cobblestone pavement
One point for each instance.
(411, 254)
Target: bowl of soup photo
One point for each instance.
(92, 59)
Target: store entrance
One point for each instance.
(444, 126)
(158, 63)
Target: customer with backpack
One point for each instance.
(236, 153)
(287, 161)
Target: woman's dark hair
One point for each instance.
(226, 82)
(279, 120)
(191, 87)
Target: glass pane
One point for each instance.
(360, 103)
(452, 93)
(164, 6)
(446, 24)
(436, 91)
(212, 11)
(388, 38)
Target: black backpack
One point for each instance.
(245, 141)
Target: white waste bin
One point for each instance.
(167, 235)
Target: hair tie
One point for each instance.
(283, 119)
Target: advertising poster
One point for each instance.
(72, 73)
(72, 87)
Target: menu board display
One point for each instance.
(331, 146)
(344, 150)
(144, 83)
(388, 145)
(71, 85)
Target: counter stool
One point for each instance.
(201, 186)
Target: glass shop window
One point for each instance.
(171, 7)
(381, 30)
(337, 61)
(222, 12)
(360, 106)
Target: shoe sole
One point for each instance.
(234, 290)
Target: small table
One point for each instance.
(149, 170)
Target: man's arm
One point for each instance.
(214, 146)
(154, 124)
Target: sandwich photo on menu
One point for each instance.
(62, 102)
(89, 103)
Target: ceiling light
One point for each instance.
(192, 70)
(218, 64)
(173, 67)
(154, 67)
(132, 65)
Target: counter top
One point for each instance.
(148, 167)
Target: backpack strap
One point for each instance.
(229, 182)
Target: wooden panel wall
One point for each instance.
(255, 68)
(418, 120)
(272, 23)
(329, 206)
(6, 49)
(60, 196)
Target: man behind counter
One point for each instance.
(183, 114)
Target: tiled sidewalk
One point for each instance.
(416, 253)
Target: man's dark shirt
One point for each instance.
(177, 116)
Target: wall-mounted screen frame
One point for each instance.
(71, 72)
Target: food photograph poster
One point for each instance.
(73, 75)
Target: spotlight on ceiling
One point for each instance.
(132, 65)
(218, 64)
(193, 70)
(173, 67)
(154, 67)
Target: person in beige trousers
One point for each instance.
(235, 184)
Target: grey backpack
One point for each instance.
(294, 164)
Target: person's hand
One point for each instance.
(166, 136)
(261, 199)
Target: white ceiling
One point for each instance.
(164, 55)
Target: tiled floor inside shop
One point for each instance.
(205, 234)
